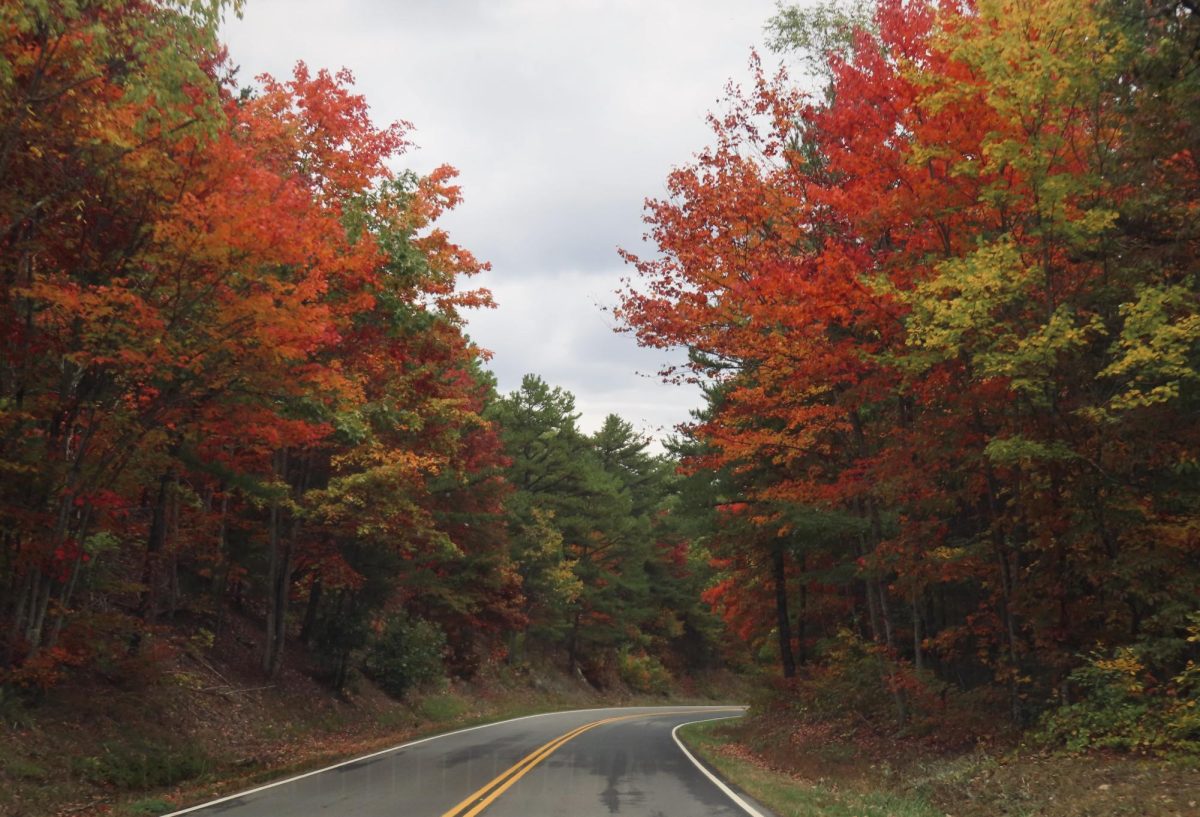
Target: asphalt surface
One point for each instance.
(576, 764)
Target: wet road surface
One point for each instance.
(576, 764)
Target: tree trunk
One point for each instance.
(42, 585)
(64, 599)
(281, 568)
(1001, 549)
(19, 606)
(147, 610)
(918, 659)
(279, 580)
(779, 573)
(173, 576)
(573, 645)
(310, 612)
(802, 619)
(220, 579)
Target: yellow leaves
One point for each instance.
(1017, 449)
(1096, 221)
(1156, 350)
(1125, 662)
(920, 153)
(945, 553)
(1031, 358)
(958, 305)
(1035, 53)
(988, 308)
(387, 463)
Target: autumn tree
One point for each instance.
(927, 300)
(234, 361)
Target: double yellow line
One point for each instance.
(482, 798)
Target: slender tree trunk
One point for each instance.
(342, 670)
(885, 612)
(278, 583)
(173, 550)
(573, 645)
(310, 612)
(220, 581)
(269, 662)
(42, 586)
(282, 548)
(1007, 586)
(783, 621)
(65, 598)
(876, 625)
(147, 609)
(20, 605)
(802, 618)
(918, 659)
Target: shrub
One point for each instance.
(643, 672)
(1115, 711)
(405, 654)
(856, 684)
(1123, 707)
(142, 764)
(852, 678)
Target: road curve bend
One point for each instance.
(581, 763)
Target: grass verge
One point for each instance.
(788, 795)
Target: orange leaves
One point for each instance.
(322, 132)
(200, 288)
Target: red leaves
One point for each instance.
(904, 297)
(189, 307)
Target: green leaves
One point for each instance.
(1158, 349)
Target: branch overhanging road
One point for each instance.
(624, 761)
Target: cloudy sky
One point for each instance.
(562, 117)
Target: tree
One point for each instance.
(927, 308)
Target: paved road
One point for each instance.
(576, 764)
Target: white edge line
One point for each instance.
(749, 809)
(294, 778)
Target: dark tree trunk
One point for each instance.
(779, 572)
(147, 609)
(802, 623)
(310, 612)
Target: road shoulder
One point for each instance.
(785, 794)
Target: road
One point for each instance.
(575, 764)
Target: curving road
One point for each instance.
(577, 764)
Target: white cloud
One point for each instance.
(562, 117)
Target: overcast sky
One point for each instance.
(562, 116)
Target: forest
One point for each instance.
(937, 281)
(946, 312)
(235, 378)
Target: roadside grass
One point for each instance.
(148, 807)
(796, 770)
(789, 796)
(443, 708)
(139, 764)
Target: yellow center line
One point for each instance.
(501, 782)
(524, 764)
